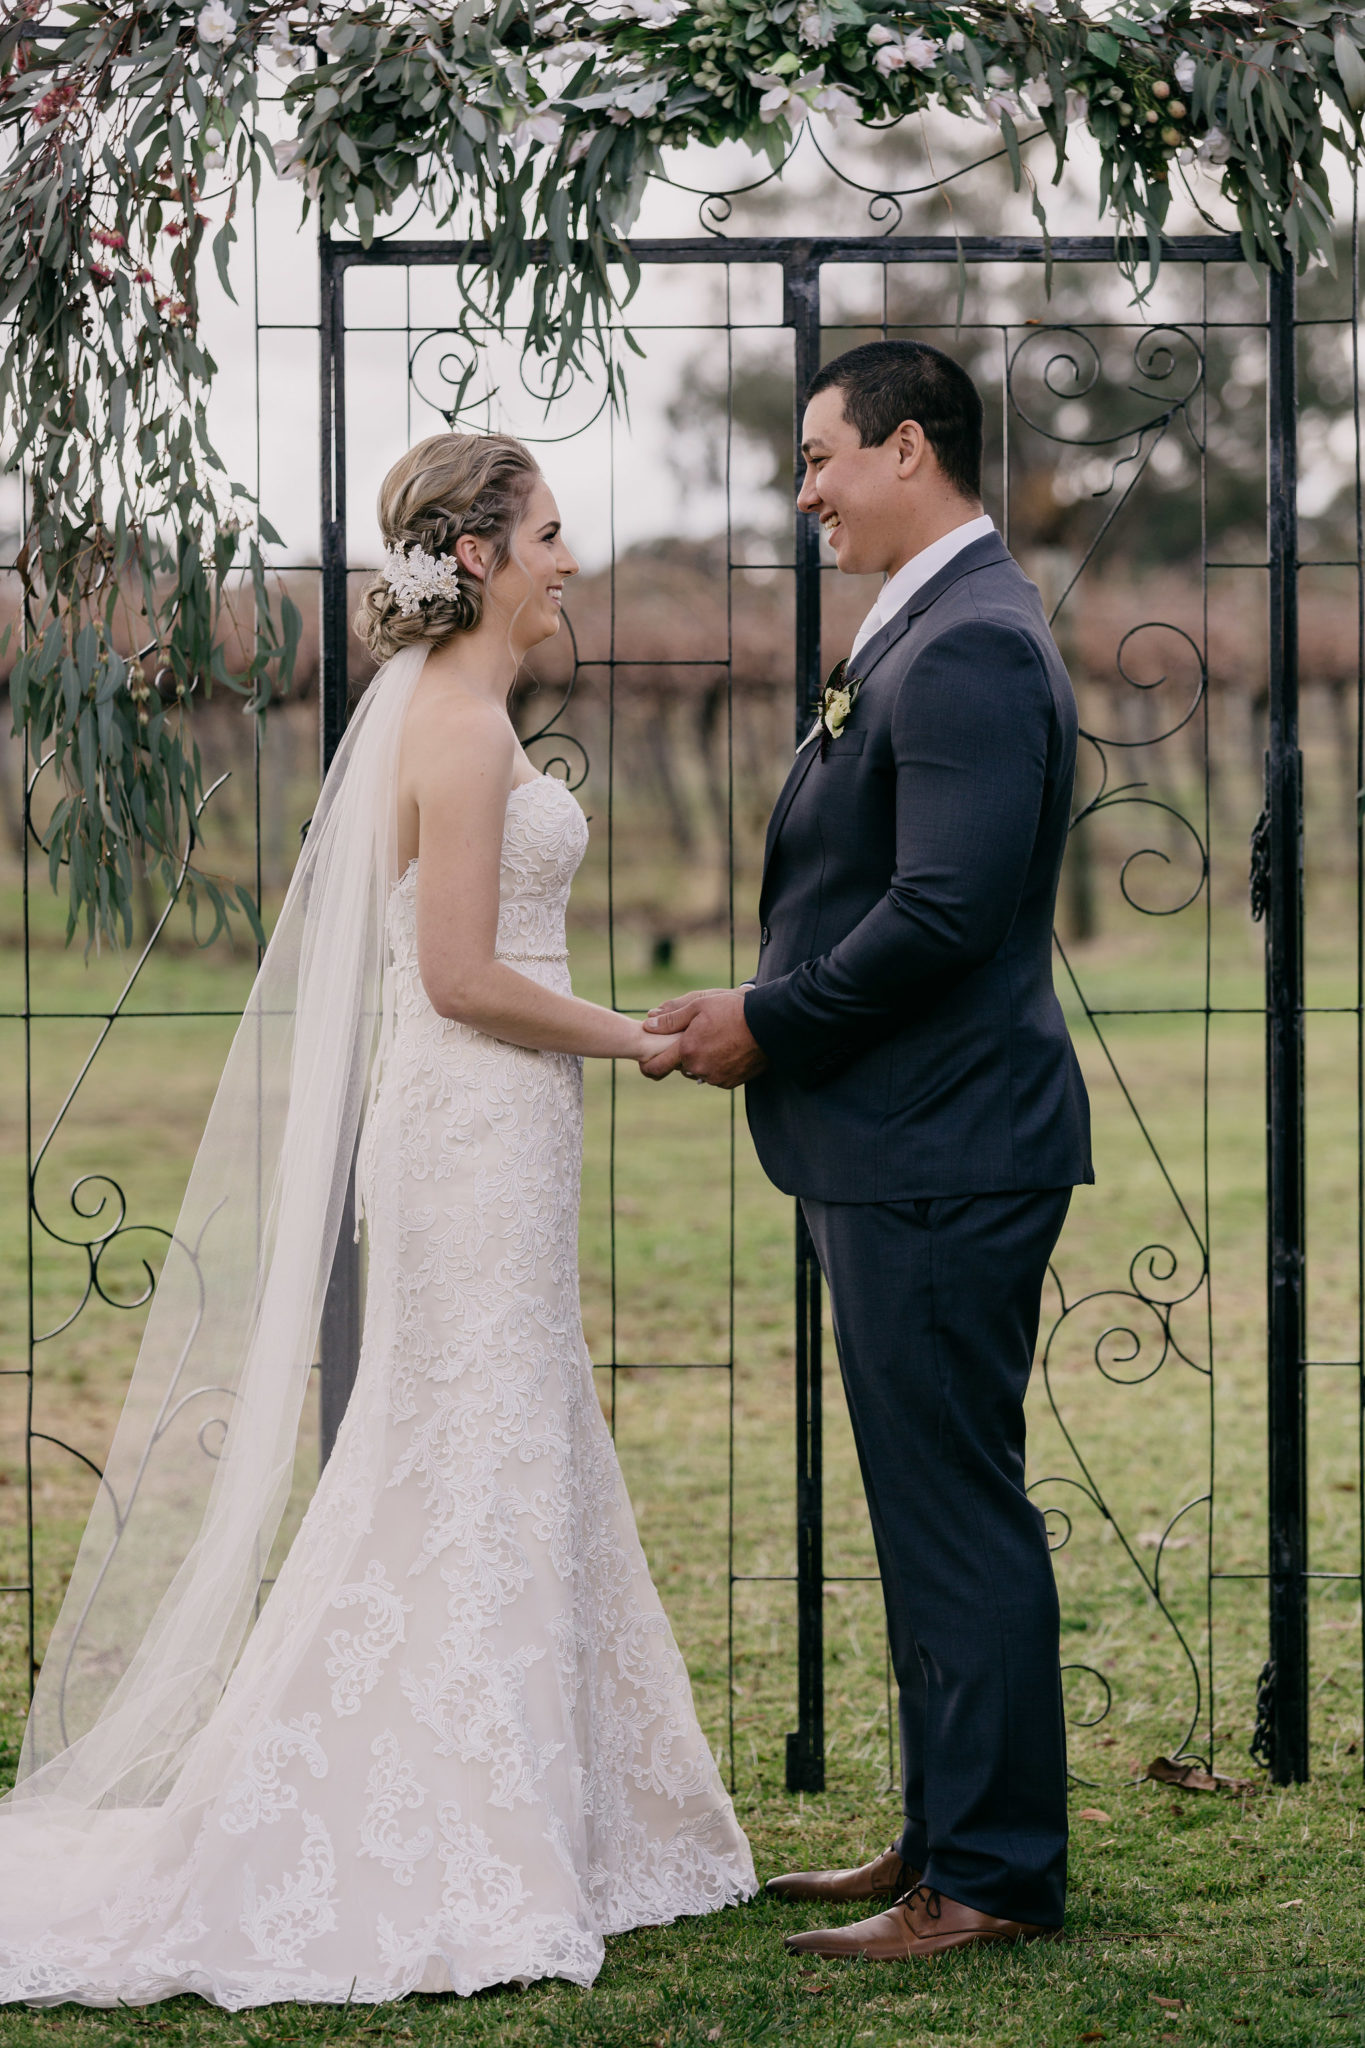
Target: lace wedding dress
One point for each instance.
(459, 1747)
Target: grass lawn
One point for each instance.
(1241, 1912)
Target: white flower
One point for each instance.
(214, 159)
(323, 38)
(542, 126)
(1215, 148)
(834, 712)
(281, 48)
(641, 97)
(894, 51)
(1040, 92)
(416, 575)
(812, 24)
(836, 102)
(999, 74)
(574, 54)
(1184, 69)
(999, 103)
(1077, 106)
(780, 103)
(1043, 6)
(289, 165)
(956, 41)
(217, 23)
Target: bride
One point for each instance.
(453, 1743)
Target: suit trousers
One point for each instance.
(936, 1304)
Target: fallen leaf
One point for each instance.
(1150, 1539)
(1241, 2020)
(1093, 2035)
(1095, 1813)
(1167, 2004)
(1191, 1776)
(815, 1989)
(1170, 2037)
(713, 2033)
(1288, 1902)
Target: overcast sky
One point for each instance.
(613, 478)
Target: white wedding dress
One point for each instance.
(459, 1747)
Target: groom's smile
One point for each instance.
(878, 502)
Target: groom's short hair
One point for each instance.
(885, 382)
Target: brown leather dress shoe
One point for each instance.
(923, 1923)
(885, 1877)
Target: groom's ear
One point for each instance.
(912, 448)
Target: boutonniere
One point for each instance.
(837, 700)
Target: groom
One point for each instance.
(910, 1078)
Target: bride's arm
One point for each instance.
(462, 759)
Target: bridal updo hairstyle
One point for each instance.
(447, 485)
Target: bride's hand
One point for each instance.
(657, 1053)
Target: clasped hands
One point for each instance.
(708, 1039)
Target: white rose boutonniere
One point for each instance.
(839, 696)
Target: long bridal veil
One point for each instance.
(168, 1579)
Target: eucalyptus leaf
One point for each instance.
(1350, 69)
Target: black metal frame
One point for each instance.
(1286, 1676)
(99, 1205)
(1284, 1699)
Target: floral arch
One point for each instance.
(535, 128)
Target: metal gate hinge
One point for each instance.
(1260, 867)
(1260, 1748)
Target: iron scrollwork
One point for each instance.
(98, 1198)
(1139, 1335)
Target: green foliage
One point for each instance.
(513, 122)
(131, 528)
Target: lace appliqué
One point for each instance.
(280, 1919)
(262, 1793)
(358, 1656)
(390, 1790)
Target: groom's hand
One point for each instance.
(716, 1044)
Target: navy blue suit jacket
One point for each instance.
(904, 996)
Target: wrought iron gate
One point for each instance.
(1284, 1699)
(1169, 363)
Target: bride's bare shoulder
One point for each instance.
(458, 737)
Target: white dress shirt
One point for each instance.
(910, 577)
(914, 574)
